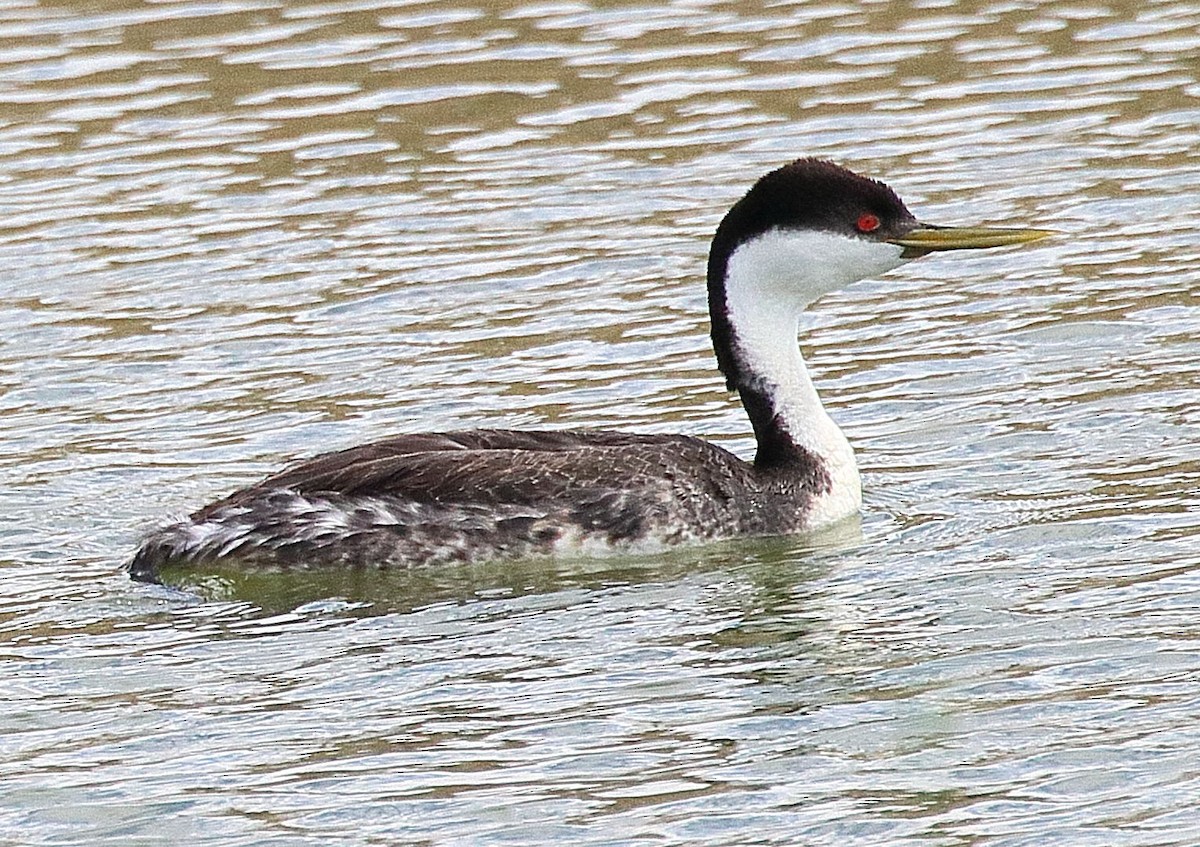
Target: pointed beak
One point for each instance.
(926, 238)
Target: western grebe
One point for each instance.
(802, 230)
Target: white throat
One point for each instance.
(769, 280)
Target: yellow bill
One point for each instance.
(927, 237)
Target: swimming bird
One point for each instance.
(802, 230)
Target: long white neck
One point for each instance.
(769, 280)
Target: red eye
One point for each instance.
(867, 223)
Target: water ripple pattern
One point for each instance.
(235, 233)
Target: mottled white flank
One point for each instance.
(324, 521)
(576, 543)
(769, 282)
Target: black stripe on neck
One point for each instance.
(777, 450)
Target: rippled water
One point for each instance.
(234, 233)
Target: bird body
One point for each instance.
(434, 498)
(802, 230)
